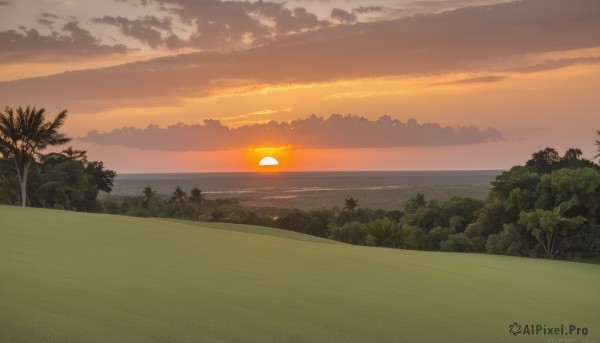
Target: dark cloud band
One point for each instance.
(314, 132)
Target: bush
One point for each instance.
(439, 234)
(416, 239)
(508, 242)
(352, 233)
(457, 243)
(383, 233)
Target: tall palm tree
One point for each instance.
(420, 200)
(178, 196)
(23, 134)
(350, 206)
(196, 197)
(148, 195)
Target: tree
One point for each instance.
(548, 160)
(572, 154)
(352, 233)
(148, 194)
(383, 233)
(459, 242)
(414, 203)
(547, 225)
(439, 234)
(23, 134)
(68, 180)
(350, 206)
(196, 197)
(178, 196)
(543, 161)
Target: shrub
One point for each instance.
(457, 243)
(352, 233)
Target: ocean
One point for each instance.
(317, 190)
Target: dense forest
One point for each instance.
(547, 207)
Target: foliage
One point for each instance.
(548, 160)
(414, 238)
(510, 241)
(23, 134)
(547, 225)
(352, 233)
(64, 180)
(415, 203)
(350, 205)
(439, 234)
(383, 233)
(457, 243)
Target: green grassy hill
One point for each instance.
(74, 277)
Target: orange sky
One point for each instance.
(535, 90)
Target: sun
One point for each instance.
(268, 158)
(268, 161)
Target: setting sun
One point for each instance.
(268, 158)
(268, 161)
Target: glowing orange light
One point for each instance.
(268, 161)
(268, 158)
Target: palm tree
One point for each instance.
(23, 134)
(420, 200)
(383, 233)
(196, 197)
(148, 195)
(546, 225)
(350, 206)
(178, 196)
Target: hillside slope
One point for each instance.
(74, 277)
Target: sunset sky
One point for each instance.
(215, 85)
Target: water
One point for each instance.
(315, 190)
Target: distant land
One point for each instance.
(387, 190)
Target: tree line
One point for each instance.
(547, 207)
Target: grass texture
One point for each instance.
(75, 277)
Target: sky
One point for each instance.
(216, 85)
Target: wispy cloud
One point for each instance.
(480, 79)
(556, 64)
(237, 119)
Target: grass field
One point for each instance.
(74, 277)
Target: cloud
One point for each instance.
(47, 15)
(149, 30)
(225, 25)
(429, 6)
(45, 22)
(342, 16)
(74, 41)
(337, 131)
(481, 79)
(556, 64)
(470, 39)
(368, 9)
